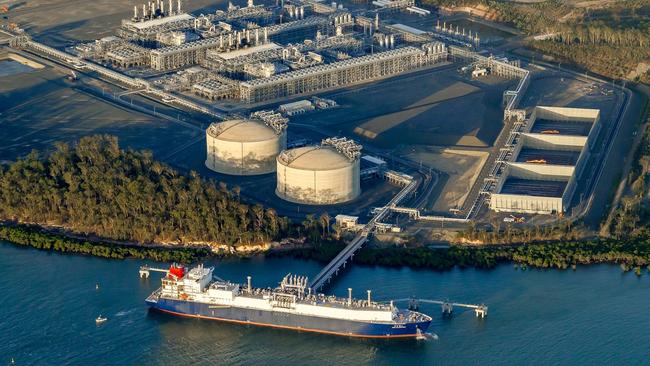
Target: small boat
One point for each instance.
(96, 286)
(100, 319)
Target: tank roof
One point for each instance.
(314, 158)
(244, 130)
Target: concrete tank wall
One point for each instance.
(234, 157)
(311, 186)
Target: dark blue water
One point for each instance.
(595, 315)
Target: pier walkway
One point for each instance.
(333, 267)
(481, 310)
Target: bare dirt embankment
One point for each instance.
(462, 168)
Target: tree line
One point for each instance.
(601, 44)
(632, 217)
(95, 188)
(35, 237)
(630, 254)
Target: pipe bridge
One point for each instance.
(447, 307)
(80, 64)
(146, 270)
(341, 259)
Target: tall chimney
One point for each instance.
(349, 296)
(170, 7)
(250, 288)
(369, 297)
(178, 3)
(135, 12)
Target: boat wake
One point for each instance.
(125, 312)
(427, 337)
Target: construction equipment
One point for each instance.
(4, 9)
(72, 76)
(536, 161)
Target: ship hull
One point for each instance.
(284, 320)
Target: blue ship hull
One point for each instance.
(284, 320)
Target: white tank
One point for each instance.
(243, 147)
(317, 175)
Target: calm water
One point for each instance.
(596, 315)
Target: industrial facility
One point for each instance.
(323, 174)
(547, 160)
(246, 146)
(260, 53)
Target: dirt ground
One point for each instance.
(40, 107)
(60, 22)
(461, 167)
(432, 107)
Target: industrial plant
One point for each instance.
(259, 53)
(251, 68)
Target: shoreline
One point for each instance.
(631, 254)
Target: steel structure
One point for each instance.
(342, 73)
(272, 119)
(345, 146)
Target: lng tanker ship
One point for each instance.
(292, 305)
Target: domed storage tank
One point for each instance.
(244, 146)
(319, 175)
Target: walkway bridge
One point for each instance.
(415, 214)
(447, 307)
(333, 267)
(146, 270)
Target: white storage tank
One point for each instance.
(244, 146)
(322, 174)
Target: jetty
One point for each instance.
(333, 267)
